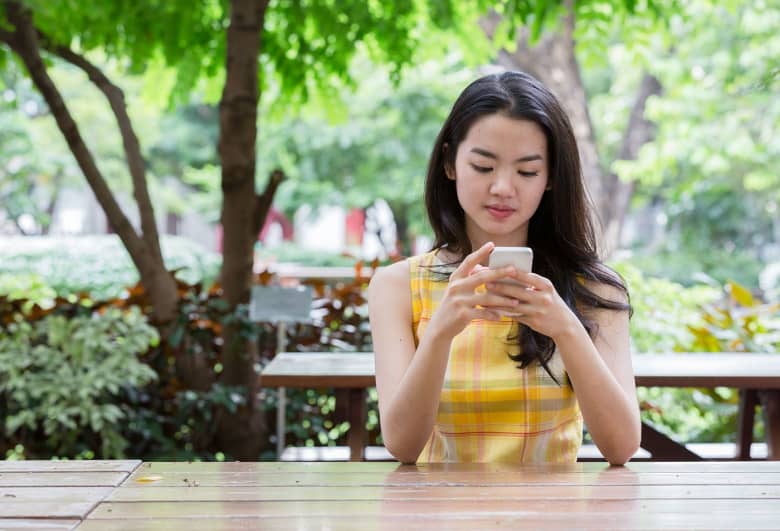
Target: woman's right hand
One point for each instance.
(462, 302)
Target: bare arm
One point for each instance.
(600, 368)
(603, 378)
(408, 379)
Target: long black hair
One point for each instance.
(561, 231)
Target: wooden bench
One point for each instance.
(352, 373)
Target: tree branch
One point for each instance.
(638, 132)
(135, 160)
(266, 199)
(24, 41)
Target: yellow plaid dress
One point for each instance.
(491, 411)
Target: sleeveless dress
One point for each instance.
(491, 411)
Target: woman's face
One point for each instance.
(500, 176)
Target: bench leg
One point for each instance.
(662, 448)
(746, 413)
(351, 404)
(357, 424)
(770, 404)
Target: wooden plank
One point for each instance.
(38, 524)
(320, 369)
(50, 502)
(617, 522)
(347, 509)
(237, 479)
(62, 479)
(120, 465)
(677, 369)
(443, 492)
(727, 369)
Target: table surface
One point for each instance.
(129, 495)
(677, 369)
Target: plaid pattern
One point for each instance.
(491, 411)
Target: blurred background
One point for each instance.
(130, 148)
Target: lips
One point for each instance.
(500, 211)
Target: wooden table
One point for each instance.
(56, 494)
(349, 373)
(352, 373)
(287, 496)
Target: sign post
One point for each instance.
(281, 305)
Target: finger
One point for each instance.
(478, 268)
(497, 302)
(472, 260)
(535, 281)
(487, 275)
(486, 314)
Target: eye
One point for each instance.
(481, 169)
(528, 173)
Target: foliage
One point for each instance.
(736, 322)
(292, 253)
(379, 147)
(62, 380)
(28, 183)
(97, 265)
(692, 265)
(27, 287)
(711, 160)
(662, 308)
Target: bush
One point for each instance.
(737, 322)
(295, 254)
(97, 265)
(690, 266)
(662, 309)
(62, 380)
(28, 287)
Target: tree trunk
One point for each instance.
(241, 434)
(639, 131)
(401, 218)
(52, 206)
(159, 284)
(553, 61)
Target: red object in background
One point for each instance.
(355, 223)
(274, 216)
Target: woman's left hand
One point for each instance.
(540, 307)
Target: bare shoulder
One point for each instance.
(394, 273)
(388, 291)
(389, 279)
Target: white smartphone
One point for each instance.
(520, 257)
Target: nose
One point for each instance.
(502, 184)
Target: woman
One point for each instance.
(457, 379)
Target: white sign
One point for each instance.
(280, 304)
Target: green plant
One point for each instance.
(662, 309)
(98, 265)
(736, 322)
(62, 378)
(30, 287)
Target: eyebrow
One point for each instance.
(488, 154)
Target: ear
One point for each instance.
(449, 171)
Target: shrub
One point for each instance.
(98, 265)
(62, 379)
